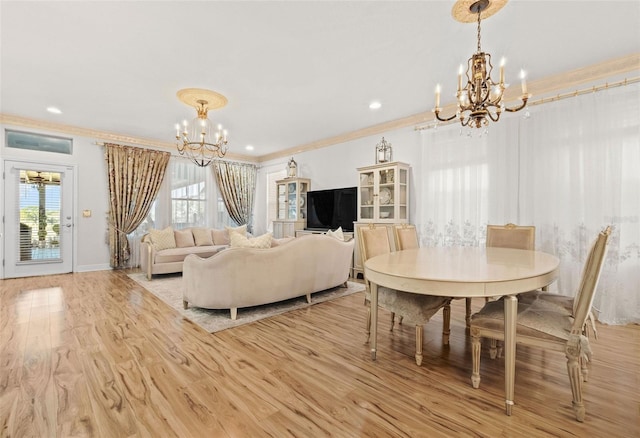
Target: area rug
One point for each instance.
(169, 289)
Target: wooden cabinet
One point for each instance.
(291, 206)
(383, 193)
(383, 199)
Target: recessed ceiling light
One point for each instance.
(249, 147)
(375, 105)
(54, 110)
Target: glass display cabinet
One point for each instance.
(383, 198)
(291, 206)
(383, 193)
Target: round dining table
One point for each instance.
(464, 272)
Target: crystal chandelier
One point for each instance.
(200, 142)
(480, 100)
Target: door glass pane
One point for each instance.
(39, 204)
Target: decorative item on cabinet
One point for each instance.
(292, 168)
(384, 152)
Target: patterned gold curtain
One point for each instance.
(237, 184)
(135, 175)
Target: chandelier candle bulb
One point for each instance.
(523, 80)
(438, 96)
(460, 77)
(502, 62)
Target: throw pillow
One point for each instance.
(184, 238)
(163, 239)
(220, 237)
(202, 237)
(337, 234)
(242, 229)
(240, 241)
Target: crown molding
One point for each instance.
(552, 84)
(100, 136)
(545, 86)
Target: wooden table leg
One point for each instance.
(374, 319)
(510, 315)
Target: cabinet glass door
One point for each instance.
(403, 211)
(366, 195)
(292, 209)
(302, 201)
(386, 193)
(282, 204)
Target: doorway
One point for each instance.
(38, 206)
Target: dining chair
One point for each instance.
(511, 236)
(543, 324)
(524, 237)
(414, 308)
(406, 236)
(508, 236)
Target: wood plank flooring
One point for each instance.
(95, 355)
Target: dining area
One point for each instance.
(507, 280)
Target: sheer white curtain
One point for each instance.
(468, 181)
(570, 169)
(580, 172)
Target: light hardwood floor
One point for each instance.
(94, 354)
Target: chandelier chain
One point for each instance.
(479, 49)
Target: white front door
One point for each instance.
(38, 222)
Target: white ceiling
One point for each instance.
(294, 72)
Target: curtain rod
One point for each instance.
(555, 98)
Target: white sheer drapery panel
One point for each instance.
(570, 169)
(181, 174)
(580, 172)
(469, 180)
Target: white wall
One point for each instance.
(335, 166)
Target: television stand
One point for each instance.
(348, 235)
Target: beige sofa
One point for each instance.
(168, 258)
(244, 277)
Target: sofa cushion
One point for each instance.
(202, 237)
(173, 255)
(184, 238)
(220, 237)
(241, 241)
(163, 239)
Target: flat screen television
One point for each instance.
(332, 208)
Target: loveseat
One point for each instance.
(245, 277)
(164, 251)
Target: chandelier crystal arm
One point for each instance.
(519, 107)
(447, 119)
